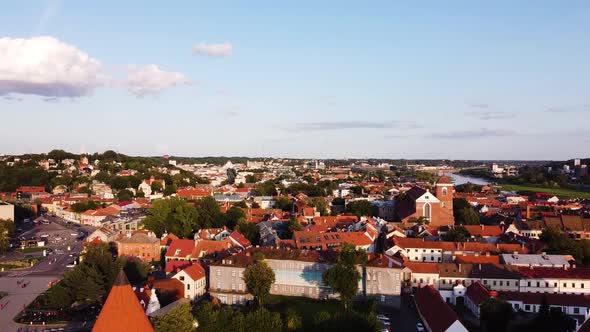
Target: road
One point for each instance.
(65, 245)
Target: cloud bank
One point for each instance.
(214, 50)
(47, 67)
(479, 133)
(338, 125)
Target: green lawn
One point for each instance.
(31, 249)
(559, 192)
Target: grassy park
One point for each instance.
(559, 192)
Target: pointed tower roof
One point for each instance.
(444, 180)
(122, 311)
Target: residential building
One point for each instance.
(6, 211)
(299, 273)
(143, 246)
(193, 278)
(435, 312)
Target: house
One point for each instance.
(191, 250)
(569, 304)
(121, 311)
(140, 245)
(194, 280)
(542, 260)
(194, 193)
(435, 312)
(147, 299)
(265, 202)
(562, 280)
(313, 240)
(146, 185)
(6, 211)
(436, 207)
(475, 295)
(102, 234)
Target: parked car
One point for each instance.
(420, 327)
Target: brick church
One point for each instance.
(437, 207)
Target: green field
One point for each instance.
(559, 192)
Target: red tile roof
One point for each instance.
(477, 293)
(195, 271)
(422, 267)
(436, 313)
(175, 266)
(122, 311)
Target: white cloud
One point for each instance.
(223, 49)
(47, 67)
(151, 79)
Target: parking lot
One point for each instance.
(63, 243)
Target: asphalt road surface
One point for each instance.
(65, 243)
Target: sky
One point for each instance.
(299, 79)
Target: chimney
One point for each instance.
(481, 227)
(528, 212)
(459, 267)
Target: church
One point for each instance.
(435, 207)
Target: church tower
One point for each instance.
(444, 193)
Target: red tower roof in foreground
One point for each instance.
(122, 311)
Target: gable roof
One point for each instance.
(477, 293)
(436, 313)
(122, 311)
(195, 271)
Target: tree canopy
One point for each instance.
(179, 318)
(343, 277)
(258, 278)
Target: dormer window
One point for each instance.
(427, 197)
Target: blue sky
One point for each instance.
(323, 79)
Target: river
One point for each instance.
(462, 179)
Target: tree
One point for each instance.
(250, 178)
(179, 318)
(170, 189)
(292, 320)
(284, 203)
(233, 216)
(551, 320)
(258, 278)
(209, 213)
(343, 277)
(292, 226)
(495, 315)
(263, 320)
(124, 195)
(251, 231)
(140, 194)
(6, 231)
(85, 190)
(174, 216)
(320, 205)
(360, 208)
(135, 270)
(457, 234)
(156, 186)
(467, 216)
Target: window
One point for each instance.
(188, 286)
(546, 284)
(576, 310)
(555, 284)
(444, 191)
(218, 272)
(582, 285)
(573, 285)
(527, 307)
(427, 211)
(529, 284)
(538, 284)
(181, 278)
(494, 282)
(233, 273)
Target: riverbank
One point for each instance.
(559, 192)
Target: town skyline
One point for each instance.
(299, 80)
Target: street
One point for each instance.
(65, 244)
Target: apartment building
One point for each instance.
(299, 273)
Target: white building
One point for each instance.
(194, 280)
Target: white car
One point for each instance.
(420, 327)
(383, 318)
